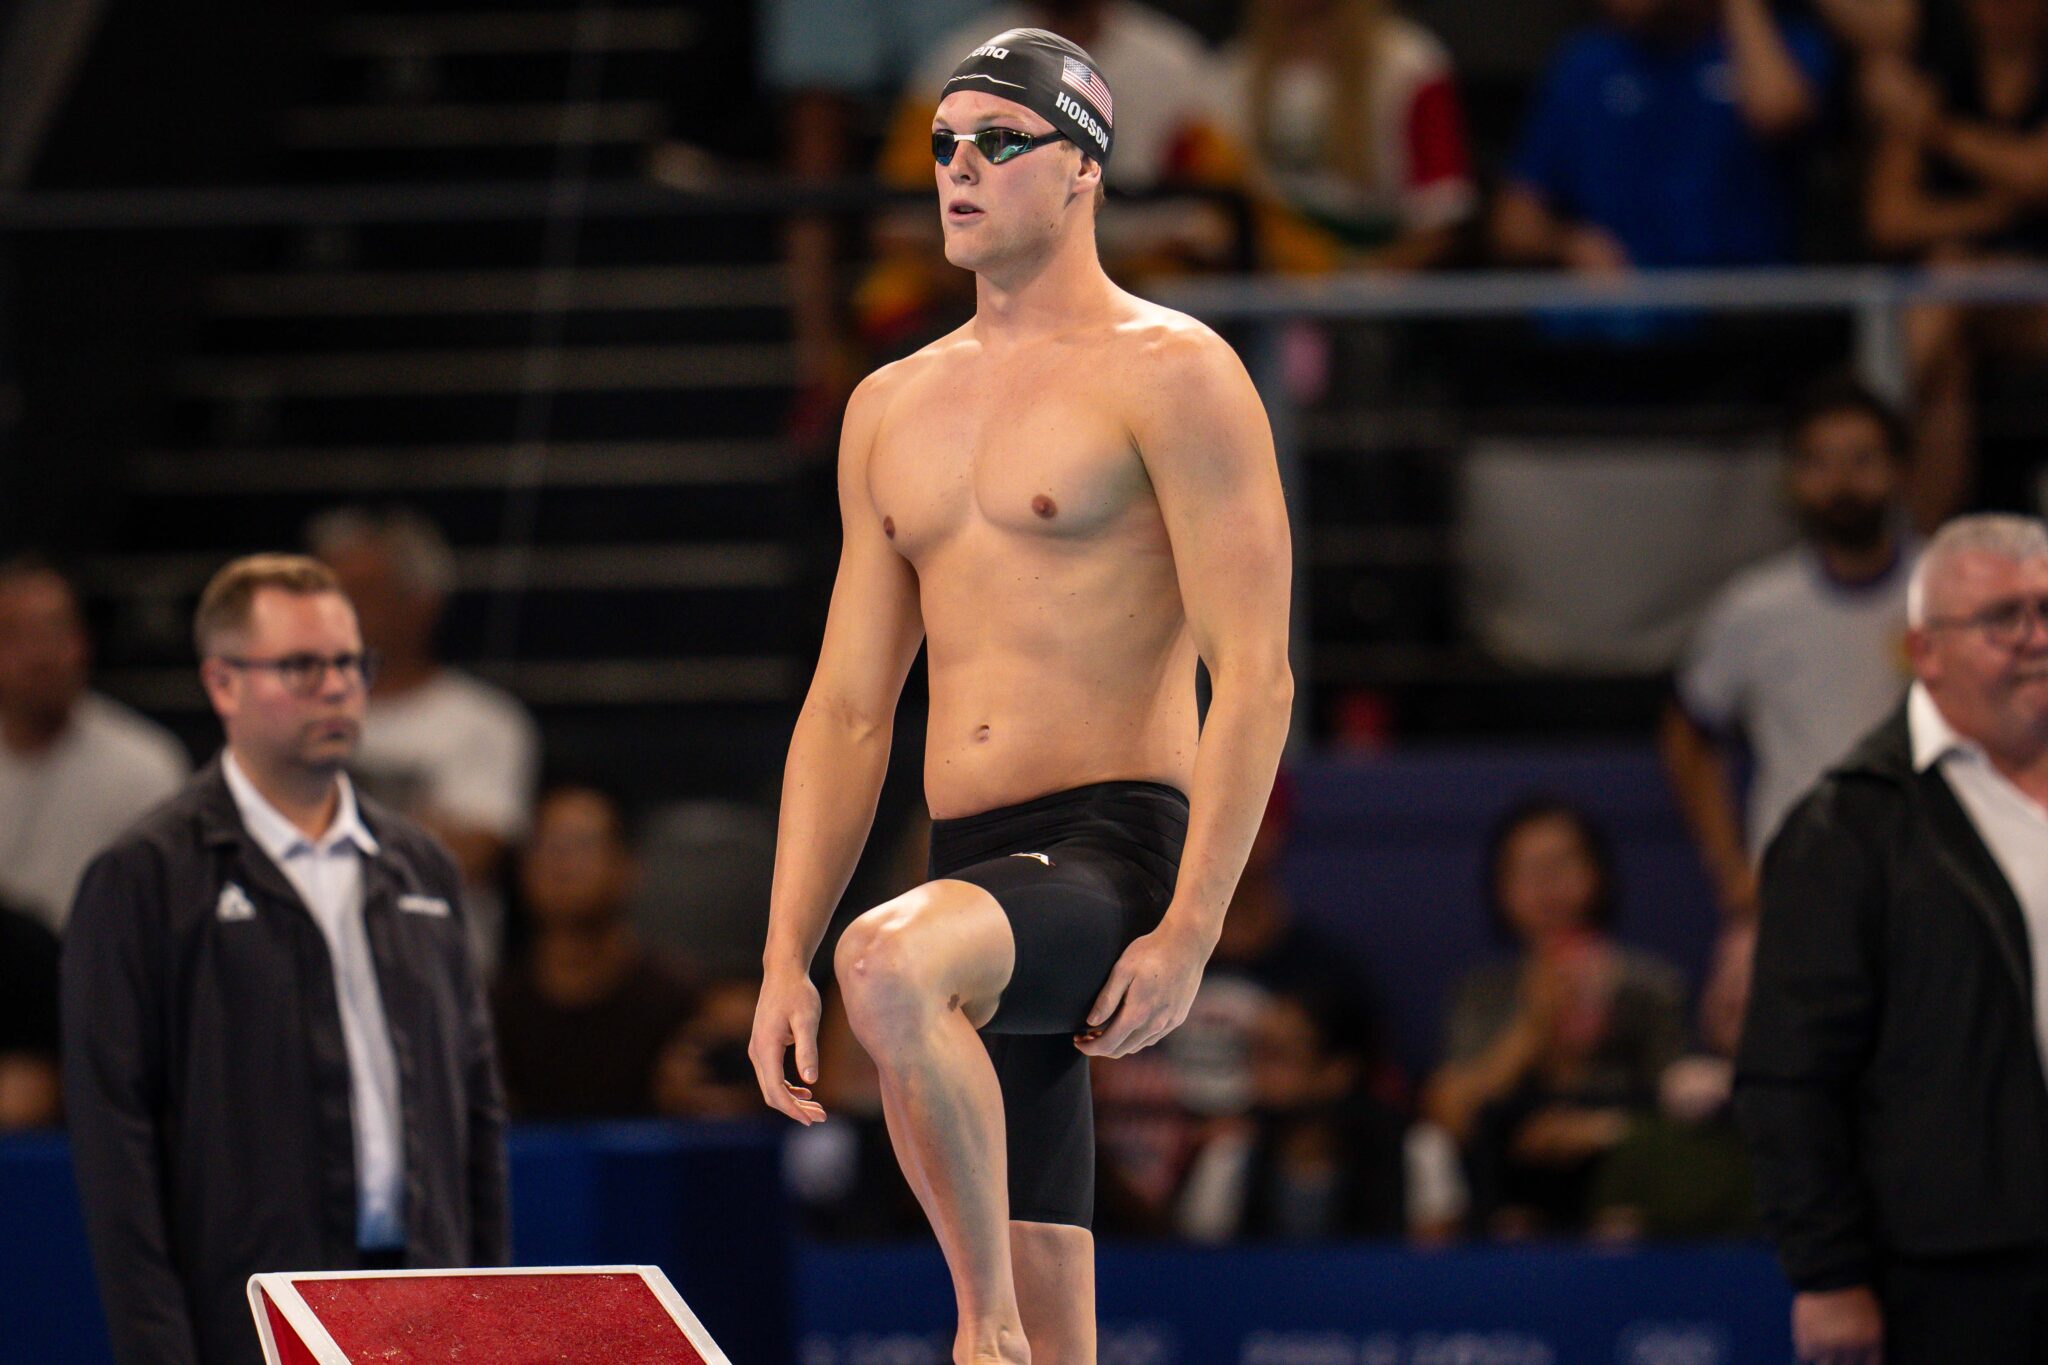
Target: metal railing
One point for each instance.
(1875, 299)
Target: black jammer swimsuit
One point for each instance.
(1079, 874)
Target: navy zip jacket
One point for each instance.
(207, 1087)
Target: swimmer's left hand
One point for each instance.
(1147, 996)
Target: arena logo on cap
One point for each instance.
(999, 53)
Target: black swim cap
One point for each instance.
(1048, 75)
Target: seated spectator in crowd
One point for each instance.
(1549, 1058)
(1168, 132)
(1959, 175)
(1316, 1158)
(584, 1019)
(75, 768)
(1350, 115)
(1799, 656)
(1664, 136)
(1683, 1172)
(29, 1092)
(1155, 1106)
(447, 749)
(705, 1072)
(1263, 952)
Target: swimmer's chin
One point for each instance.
(958, 254)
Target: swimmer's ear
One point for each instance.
(1089, 180)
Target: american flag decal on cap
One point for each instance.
(1077, 74)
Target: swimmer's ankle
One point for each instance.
(993, 1345)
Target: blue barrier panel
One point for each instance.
(49, 1305)
(703, 1202)
(1550, 1305)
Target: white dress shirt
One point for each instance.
(2012, 824)
(328, 875)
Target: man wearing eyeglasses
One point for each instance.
(277, 1054)
(1890, 1080)
(1072, 500)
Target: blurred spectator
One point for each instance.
(1168, 132)
(1682, 1172)
(75, 768)
(705, 1072)
(1265, 952)
(29, 1094)
(1663, 136)
(1800, 655)
(1155, 1107)
(1549, 1058)
(1315, 1157)
(582, 1022)
(843, 1172)
(707, 866)
(831, 61)
(1350, 114)
(1959, 175)
(1872, 28)
(451, 751)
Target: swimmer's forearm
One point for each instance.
(1242, 740)
(831, 785)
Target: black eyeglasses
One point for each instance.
(2005, 624)
(996, 145)
(302, 674)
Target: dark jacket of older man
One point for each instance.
(1890, 1079)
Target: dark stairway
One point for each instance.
(587, 393)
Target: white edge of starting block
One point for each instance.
(281, 1289)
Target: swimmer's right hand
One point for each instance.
(786, 1016)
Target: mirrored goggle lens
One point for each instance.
(996, 145)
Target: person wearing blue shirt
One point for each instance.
(1663, 136)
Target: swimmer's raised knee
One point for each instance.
(908, 958)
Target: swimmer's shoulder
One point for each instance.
(872, 401)
(873, 396)
(1166, 351)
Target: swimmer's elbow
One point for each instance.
(847, 721)
(1263, 677)
(1280, 694)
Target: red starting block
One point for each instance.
(584, 1315)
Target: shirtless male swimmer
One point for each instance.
(1070, 499)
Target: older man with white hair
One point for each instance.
(1891, 1079)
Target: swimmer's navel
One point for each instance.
(889, 527)
(981, 734)
(1045, 507)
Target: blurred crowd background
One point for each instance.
(534, 319)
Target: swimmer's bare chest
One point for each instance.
(1055, 633)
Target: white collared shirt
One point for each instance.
(2012, 824)
(328, 874)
